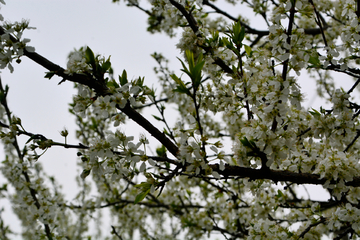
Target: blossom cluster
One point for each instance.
(77, 63)
(12, 45)
(240, 109)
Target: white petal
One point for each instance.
(216, 175)
(142, 167)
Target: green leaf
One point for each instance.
(227, 43)
(157, 118)
(195, 68)
(237, 34)
(247, 50)
(279, 194)
(197, 72)
(323, 110)
(139, 81)
(143, 185)
(145, 189)
(185, 69)
(49, 75)
(230, 46)
(315, 113)
(246, 143)
(242, 34)
(181, 90)
(3, 187)
(166, 132)
(181, 87)
(90, 57)
(204, 15)
(123, 78)
(106, 65)
(190, 58)
(352, 57)
(233, 68)
(141, 196)
(112, 84)
(315, 60)
(161, 151)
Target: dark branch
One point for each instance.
(276, 175)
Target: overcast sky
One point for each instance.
(61, 26)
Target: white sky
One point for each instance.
(62, 25)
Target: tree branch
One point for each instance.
(276, 175)
(143, 122)
(101, 89)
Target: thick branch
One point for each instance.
(143, 122)
(189, 17)
(276, 175)
(98, 86)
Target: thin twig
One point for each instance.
(115, 232)
(322, 220)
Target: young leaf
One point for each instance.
(185, 69)
(90, 57)
(157, 118)
(190, 58)
(123, 78)
(161, 151)
(106, 65)
(315, 113)
(248, 50)
(49, 75)
(196, 72)
(230, 46)
(241, 35)
(181, 87)
(141, 196)
(143, 185)
(238, 34)
(145, 189)
(315, 61)
(246, 143)
(112, 84)
(195, 68)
